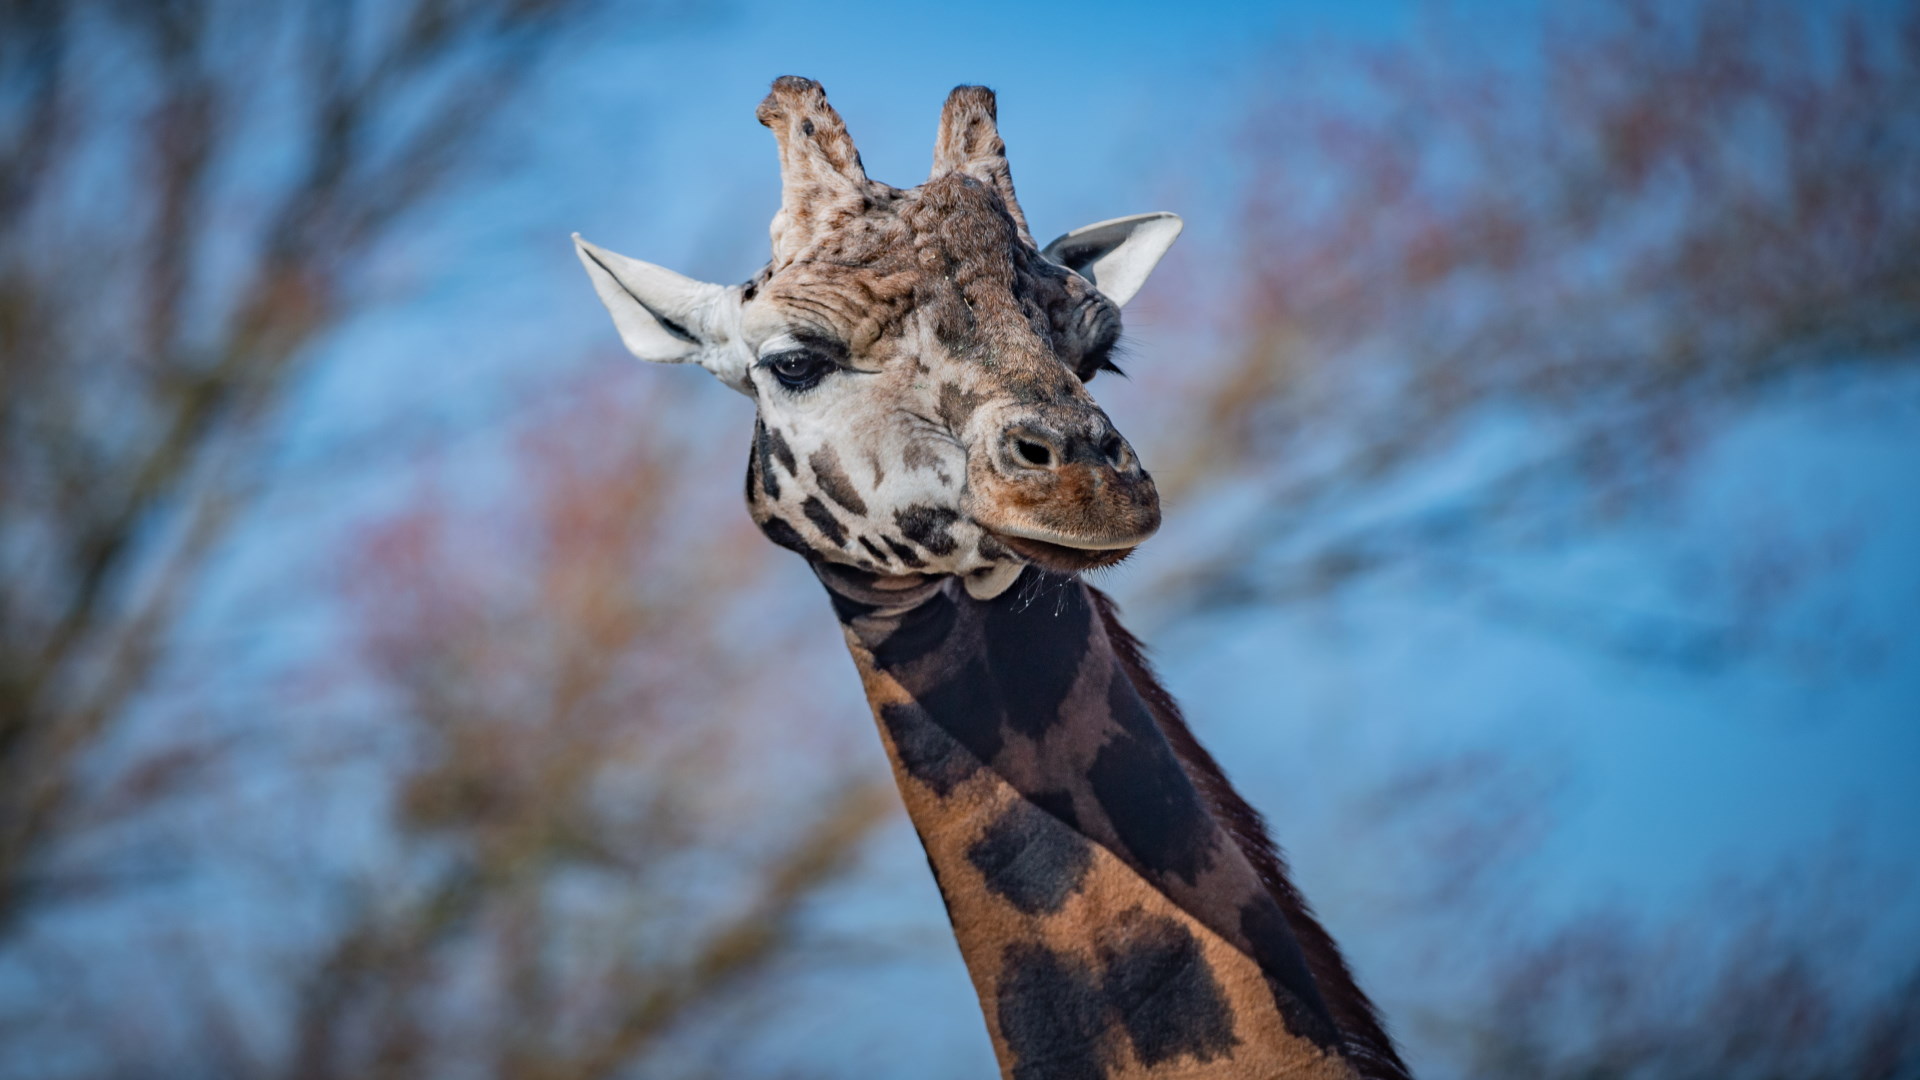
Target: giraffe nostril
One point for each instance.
(1033, 453)
(1114, 449)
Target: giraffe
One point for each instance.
(925, 438)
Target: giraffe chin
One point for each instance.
(1059, 557)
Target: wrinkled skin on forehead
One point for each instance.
(945, 329)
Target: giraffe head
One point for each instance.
(919, 365)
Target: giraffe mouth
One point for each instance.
(1061, 558)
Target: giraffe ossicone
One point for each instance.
(926, 439)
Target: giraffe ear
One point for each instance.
(669, 318)
(1117, 255)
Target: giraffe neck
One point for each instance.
(1112, 922)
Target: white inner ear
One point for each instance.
(666, 317)
(1117, 255)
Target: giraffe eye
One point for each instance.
(798, 369)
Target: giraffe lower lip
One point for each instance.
(1060, 557)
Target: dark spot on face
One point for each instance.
(777, 445)
(834, 482)
(904, 553)
(1277, 952)
(918, 633)
(782, 532)
(763, 461)
(927, 526)
(956, 406)
(1051, 1015)
(1153, 806)
(806, 127)
(1034, 647)
(920, 455)
(1031, 859)
(824, 520)
(1164, 991)
(927, 752)
(879, 471)
(873, 549)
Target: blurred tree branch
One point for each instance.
(374, 992)
(1737, 993)
(137, 374)
(1803, 969)
(144, 367)
(1680, 208)
(591, 673)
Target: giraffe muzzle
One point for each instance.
(1066, 492)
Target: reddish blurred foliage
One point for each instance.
(516, 692)
(1490, 302)
(1547, 275)
(618, 817)
(160, 291)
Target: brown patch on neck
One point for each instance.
(1090, 961)
(1368, 1045)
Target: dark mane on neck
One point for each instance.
(1366, 1041)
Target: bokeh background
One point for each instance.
(392, 686)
